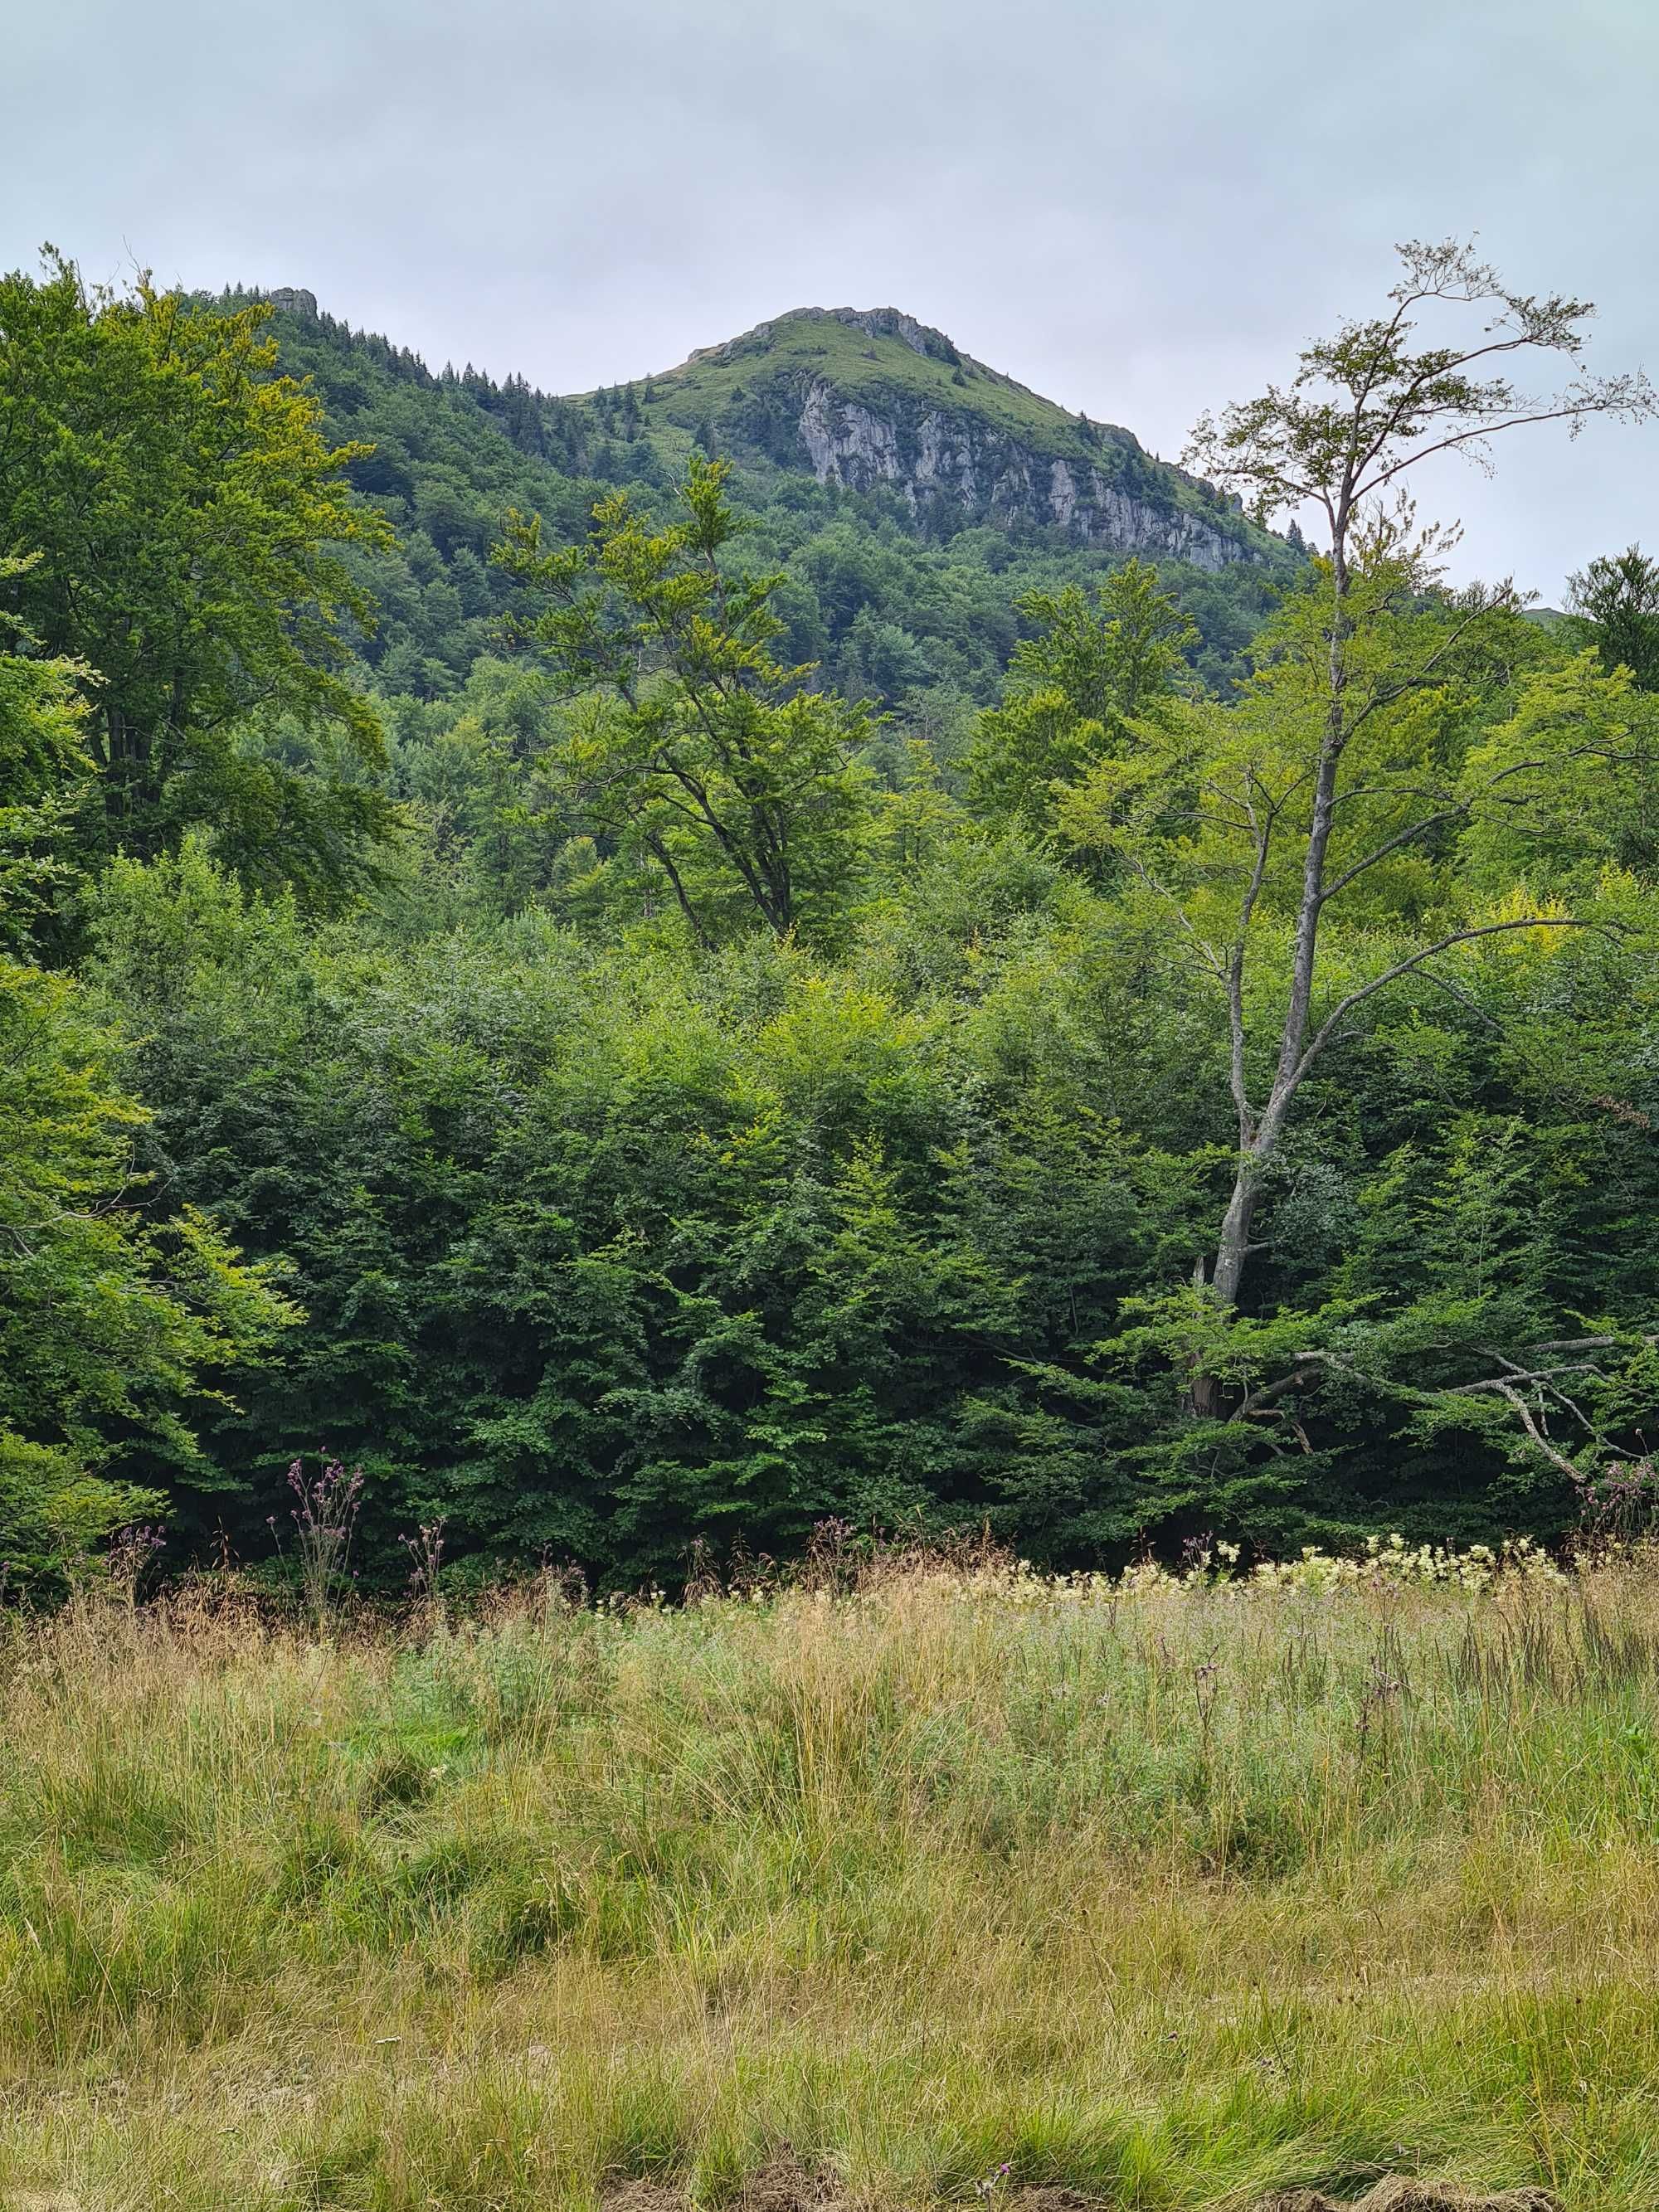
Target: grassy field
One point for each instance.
(957, 1887)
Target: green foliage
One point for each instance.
(43, 758)
(1468, 809)
(603, 1252)
(113, 1321)
(905, 608)
(607, 1248)
(793, 1061)
(701, 753)
(1074, 689)
(179, 519)
(1616, 602)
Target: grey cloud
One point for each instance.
(1139, 210)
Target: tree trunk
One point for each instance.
(1206, 1395)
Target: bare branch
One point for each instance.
(1508, 1391)
(1573, 412)
(1416, 959)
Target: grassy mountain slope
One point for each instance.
(869, 352)
(785, 389)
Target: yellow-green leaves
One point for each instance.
(112, 1321)
(1566, 784)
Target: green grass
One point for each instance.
(860, 364)
(1173, 1895)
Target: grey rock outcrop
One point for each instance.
(957, 461)
(961, 443)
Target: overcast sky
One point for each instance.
(1140, 210)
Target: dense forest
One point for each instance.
(651, 989)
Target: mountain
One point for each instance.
(868, 397)
(909, 493)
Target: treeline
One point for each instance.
(629, 1091)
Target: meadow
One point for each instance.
(926, 1883)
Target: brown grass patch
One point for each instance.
(1398, 2195)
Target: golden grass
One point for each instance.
(956, 1885)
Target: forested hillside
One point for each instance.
(903, 569)
(809, 938)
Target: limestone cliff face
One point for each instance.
(948, 459)
(871, 397)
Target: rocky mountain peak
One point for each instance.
(873, 322)
(867, 396)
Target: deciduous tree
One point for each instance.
(1094, 665)
(1296, 818)
(176, 524)
(699, 751)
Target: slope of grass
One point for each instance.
(856, 361)
(958, 1885)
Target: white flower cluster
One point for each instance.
(1397, 1564)
(1387, 1562)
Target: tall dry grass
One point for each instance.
(1174, 1893)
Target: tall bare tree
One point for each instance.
(1320, 790)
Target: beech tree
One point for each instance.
(1325, 797)
(695, 748)
(175, 525)
(118, 1319)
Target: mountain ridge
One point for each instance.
(864, 399)
(907, 538)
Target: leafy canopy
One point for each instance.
(1095, 665)
(180, 522)
(113, 1322)
(700, 753)
(1615, 602)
